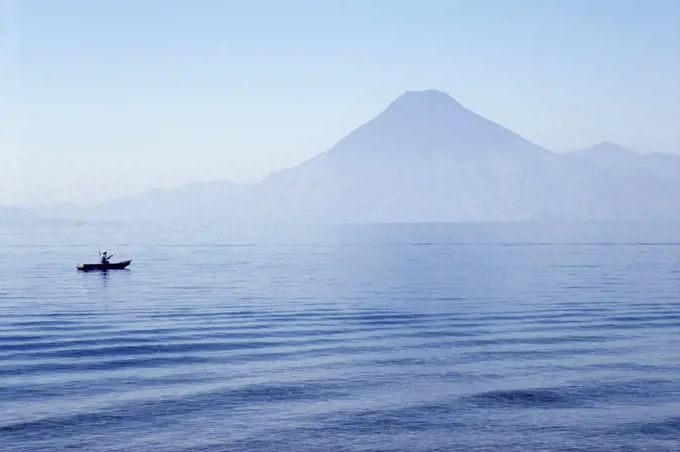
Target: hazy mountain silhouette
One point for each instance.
(10, 215)
(424, 158)
(428, 158)
(647, 184)
(193, 202)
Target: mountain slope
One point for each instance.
(428, 158)
(647, 184)
(424, 158)
(11, 215)
(193, 202)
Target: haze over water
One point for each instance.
(355, 338)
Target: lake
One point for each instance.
(350, 338)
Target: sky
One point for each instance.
(107, 98)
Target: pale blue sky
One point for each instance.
(104, 98)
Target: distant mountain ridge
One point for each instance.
(426, 157)
(12, 215)
(195, 201)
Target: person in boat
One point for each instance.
(104, 258)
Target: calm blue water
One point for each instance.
(362, 338)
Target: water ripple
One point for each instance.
(418, 346)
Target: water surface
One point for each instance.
(357, 338)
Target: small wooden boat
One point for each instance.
(111, 266)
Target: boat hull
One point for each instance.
(103, 267)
